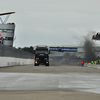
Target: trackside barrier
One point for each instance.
(6, 51)
(10, 56)
(10, 61)
(97, 66)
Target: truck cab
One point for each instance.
(41, 56)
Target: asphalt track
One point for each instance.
(55, 81)
(35, 81)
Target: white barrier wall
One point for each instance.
(10, 61)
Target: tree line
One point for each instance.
(27, 49)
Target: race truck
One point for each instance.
(41, 56)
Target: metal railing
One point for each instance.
(6, 51)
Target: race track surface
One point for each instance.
(53, 82)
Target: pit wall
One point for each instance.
(11, 61)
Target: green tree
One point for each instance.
(27, 49)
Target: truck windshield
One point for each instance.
(39, 51)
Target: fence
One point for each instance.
(6, 51)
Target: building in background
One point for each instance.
(7, 30)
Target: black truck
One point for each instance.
(41, 56)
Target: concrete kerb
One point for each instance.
(92, 65)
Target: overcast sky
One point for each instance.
(52, 22)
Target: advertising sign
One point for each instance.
(63, 49)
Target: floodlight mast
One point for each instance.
(8, 14)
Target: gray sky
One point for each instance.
(52, 22)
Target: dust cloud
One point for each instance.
(89, 47)
(69, 58)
